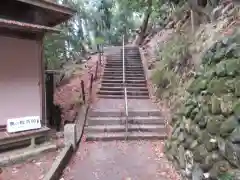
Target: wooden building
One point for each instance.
(23, 24)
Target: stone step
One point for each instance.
(122, 128)
(121, 74)
(130, 49)
(126, 68)
(126, 72)
(9, 141)
(21, 155)
(126, 54)
(121, 88)
(122, 136)
(127, 81)
(128, 61)
(132, 114)
(150, 120)
(122, 97)
(143, 85)
(120, 77)
(127, 76)
(120, 66)
(119, 71)
(129, 71)
(129, 93)
(120, 61)
(126, 65)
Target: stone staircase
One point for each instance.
(111, 126)
(106, 119)
(112, 80)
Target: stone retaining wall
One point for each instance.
(205, 141)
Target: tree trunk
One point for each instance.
(144, 26)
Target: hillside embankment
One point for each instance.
(197, 76)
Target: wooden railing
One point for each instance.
(86, 90)
(93, 77)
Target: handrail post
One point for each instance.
(125, 89)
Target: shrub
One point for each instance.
(165, 81)
(175, 53)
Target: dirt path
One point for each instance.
(118, 160)
(33, 169)
(67, 94)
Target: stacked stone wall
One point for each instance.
(205, 141)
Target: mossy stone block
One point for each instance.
(203, 123)
(237, 87)
(236, 109)
(216, 104)
(214, 123)
(198, 85)
(227, 102)
(220, 86)
(232, 67)
(235, 135)
(228, 126)
(219, 168)
(200, 153)
(221, 69)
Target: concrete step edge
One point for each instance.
(121, 93)
(130, 118)
(122, 135)
(121, 127)
(120, 85)
(120, 80)
(127, 75)
(121, 97)
(133, 115)
(119, 62)
(128, 88)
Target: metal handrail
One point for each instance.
(125, 89)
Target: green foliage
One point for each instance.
(174, 51)
(99, 40)
(96, 22)
(100, 22)
(174, 60)
(54, 49)
(228, 47)
(166, 81)
(226, 176)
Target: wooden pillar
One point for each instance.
(50, 97)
